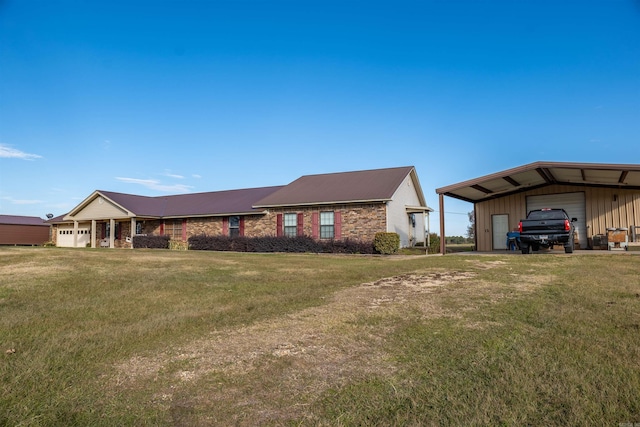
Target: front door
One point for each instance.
(500, 227)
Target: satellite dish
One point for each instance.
(49, 216)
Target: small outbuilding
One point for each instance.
(602, 197)
(23, 230)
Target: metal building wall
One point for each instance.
(605, 207)
(12, 234)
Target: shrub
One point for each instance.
(150, 242)
(386, 243)
(434, 243)
(178, 245)
(298, 244)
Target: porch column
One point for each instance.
(112, 233)
(93, 233)
(133, 230)
(75, 234)
(425, 225)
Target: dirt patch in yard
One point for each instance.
(296, 357)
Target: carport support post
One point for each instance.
(443, 248)
(93, 233)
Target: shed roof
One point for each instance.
(540, 174)
(343, 187)
(22, 220)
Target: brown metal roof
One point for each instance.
(22, 220)
(344, 187)
(181, 205)
(540, 174)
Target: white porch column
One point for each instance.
(93, 233)
(112, 233)
(133, 230)
(75, 234)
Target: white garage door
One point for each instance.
(573, 203)
(65, 237)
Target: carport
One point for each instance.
(607, 195)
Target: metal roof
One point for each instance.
(22, 220)
(345, 187)
(376, 185)
(541, 174)
(231, 202)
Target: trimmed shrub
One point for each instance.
(150, 242)
(347, 246)
(386, 243)
(298, 244)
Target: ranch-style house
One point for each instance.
(354, 205)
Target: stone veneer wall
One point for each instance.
(359, 222)
(211, 226)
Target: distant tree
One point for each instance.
(471, 228)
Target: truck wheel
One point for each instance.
(525, 249)
(568, 249)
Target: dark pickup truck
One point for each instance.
(545, 228)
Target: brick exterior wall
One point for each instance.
(359, 222)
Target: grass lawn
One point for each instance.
(132, 338)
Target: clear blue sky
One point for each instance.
(164, 97)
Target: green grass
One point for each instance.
(119, 337)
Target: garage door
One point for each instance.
(573, 203)
(65, 237)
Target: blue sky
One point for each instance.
(165, 97)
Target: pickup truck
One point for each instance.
(545, 228)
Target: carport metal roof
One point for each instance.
(536, 175)
(540, 174)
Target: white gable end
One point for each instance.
(100, 208)
(399, 219)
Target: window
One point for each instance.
(138, 228)
(326, 225)
(290, 224)
(234, 226)
(173, 229)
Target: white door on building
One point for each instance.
(500, 228)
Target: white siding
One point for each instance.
(397, 217)
(101, 208)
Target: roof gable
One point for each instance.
(346, 187)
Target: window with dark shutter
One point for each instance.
(234, 226)
(327, 225)
(290, 224)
